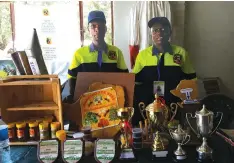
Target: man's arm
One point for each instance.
(72, 72)
(72, 86)
(121, 65)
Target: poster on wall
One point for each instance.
(48, 34)
(57, 25)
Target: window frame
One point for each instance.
(82, 29)
(81, 16)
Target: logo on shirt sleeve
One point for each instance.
(177, 58)
(112, 55)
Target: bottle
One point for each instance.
(5, 155)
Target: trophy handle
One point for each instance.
(221, 117)
(131, 111)
(174, 108)
(187, 136)
(141, 106)
(189, 122)
(170, 131)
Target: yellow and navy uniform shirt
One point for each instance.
(171, 67)
(85, 60)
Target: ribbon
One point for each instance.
(127, 130)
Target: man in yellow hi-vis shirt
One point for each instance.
(99, 56)
(160, 67)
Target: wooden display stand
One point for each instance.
(23, 97)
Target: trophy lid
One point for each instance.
(179, 130)
(204, 111)
(157, 106)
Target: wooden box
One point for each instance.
(26, 96)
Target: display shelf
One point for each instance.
(30, 96)
(36, 106)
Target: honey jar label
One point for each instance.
(31, 132)
(20, 133)
(73, 150)
(11, 134)
(105, 150)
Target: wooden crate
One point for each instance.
(22, 97)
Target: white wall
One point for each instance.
(209, 37)
(121, 27)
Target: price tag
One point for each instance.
(48, 151)
(105, 150)
(73, 150)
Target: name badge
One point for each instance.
(159, 88)
(48, 151)
(104, 150)
(73, 150)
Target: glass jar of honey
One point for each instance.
(11, 132)
(54, 126)
(33, 130)
(44, 130)
(21, 131)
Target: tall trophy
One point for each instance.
(157, 114)
(181, 137)
(204, 123)
(125, 114)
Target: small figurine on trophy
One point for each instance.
(204, 122)
(125, 114)
(180, 136)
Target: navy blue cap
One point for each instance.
(96, 15)
(160, 20)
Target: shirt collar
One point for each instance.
(167, 49)
(92, 48)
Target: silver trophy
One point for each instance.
(204, 122)
(181, 137)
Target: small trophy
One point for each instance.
(125, 114)
(204, 122)
(180, 136)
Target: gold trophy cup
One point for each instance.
(157, 115)
(125, 114)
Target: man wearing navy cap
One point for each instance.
(161, 65)
(97, 57)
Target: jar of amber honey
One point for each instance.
(11, 132)
(21, 131)
(33, 130)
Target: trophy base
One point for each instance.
(127, 155)
(159, 155)
(202, 158)
(180, 159)
(205, 160)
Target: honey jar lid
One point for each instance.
(11, 125)
(55, 125)
(43, 125)
(21, 125)
(61, 135)
(33, 124)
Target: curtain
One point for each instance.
(140, 14)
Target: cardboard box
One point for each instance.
(84, 80)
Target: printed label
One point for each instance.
(48, 151)
(73, 150)
(105, 150)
